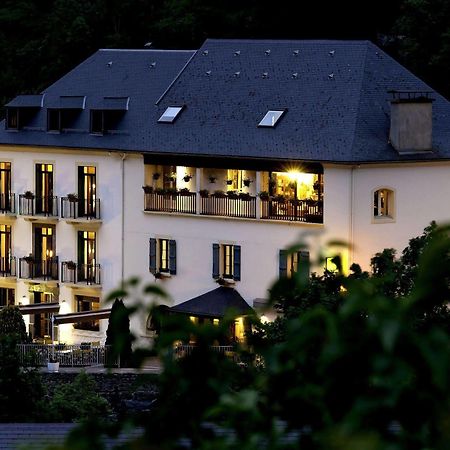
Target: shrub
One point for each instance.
(78, 401)
(11, 323)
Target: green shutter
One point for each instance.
(283, 264)
(237, 262)
(215, 269)
(152, 255)
(303, 265)
(173, 257)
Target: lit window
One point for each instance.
(163, 257)
(12, 119)
(292, 263)
(85, 304)
(383, 203)
(170, 114)
(271, 118)
(227, 262)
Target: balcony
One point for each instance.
(310, 211)
(8, 204)
(83, 274)
(226, 205)
(171, 202)
(33, 269)
(32, 206)
(76, 210)
(8, 267)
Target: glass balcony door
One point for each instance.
(5, 186)
(44, 188)
(87, 256)
(87, 186)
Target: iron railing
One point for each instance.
(310, 211)
(38, 206)
(77, 355)
(183, 350)
(8, 267)
(80, 273)
(178, 203)
(30, 268)
(80, 208)
(8, 203)
(229, 207)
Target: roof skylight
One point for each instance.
(170, 114)
(271, 118)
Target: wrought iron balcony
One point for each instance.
(75, 273)
(33, 269)
(88, 209)
(310, 211)
(38, 206)
(177, 202)
(241, 205)
(8, 267)
(8, 203)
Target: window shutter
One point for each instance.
(152, 255)
(303, 265)
(237, 262)
(215, 270)
(283, 264)
(173, 257)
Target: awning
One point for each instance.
(85, 316)
(214, 303)
(27, 101)
(39, 308)
(72, 102)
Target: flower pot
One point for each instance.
(53, 367)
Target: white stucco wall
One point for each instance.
(421, 192)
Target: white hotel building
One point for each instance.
(241, 147)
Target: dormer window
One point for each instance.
(170, 114)
(65, 115)
(271, 119)
(21, 110)
(107, 117)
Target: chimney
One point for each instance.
(411, 121)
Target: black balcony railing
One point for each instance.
(179, 203)
(8, 267)
(37, 269)
(244, 207)
(310, 211)
(38, 206)
(8, 203)
(80, 273)
(83, 208)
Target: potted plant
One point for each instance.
(279, 198)
(187, 178)
(232, 194)
(184, 191)
(72, 197)
(156, 176)
(171, 191)
(244, 196)
(171, 177)
(29, 259)
(147, 189)
(28, 195)
(264, 195)
(71, 265)
(229, 182)
(160, 191)
(247, 182)
(212, 179)
(220, 194)
(204, 193)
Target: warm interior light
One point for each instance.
(301, 177)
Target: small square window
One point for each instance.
(163, 257)
(226, 262)
(12, 119)
(271, 118)
(54, 120)
(383, 204)
(170, 114)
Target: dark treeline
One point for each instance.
(40, 40)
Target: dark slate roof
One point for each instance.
(27, 101)
(214, 303)
(109, 79)
(335, 92)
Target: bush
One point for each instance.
(11, 323)
(78, 401)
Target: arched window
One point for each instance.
(383, 203)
